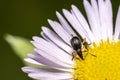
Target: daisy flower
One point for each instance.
(53, 51)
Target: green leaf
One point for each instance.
(20, 45)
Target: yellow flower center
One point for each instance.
(105, 66)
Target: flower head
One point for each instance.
(53, 51)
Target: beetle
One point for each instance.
(79, 47)
(76, 45)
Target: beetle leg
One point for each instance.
(85, 51)
(74, 55)
(85, 44)
(84, 41)
(85, 47)
(92, 54)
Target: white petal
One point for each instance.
(74, 22)
(97, 17)
(65, 25)
(46, 73)
(46, 62)
(33, 61)
(52, 58)
(47, 79)
(52, 36)
(28, 69)
(47, 38)
(83, 22)
(42, 63)
(52, 49)
(102, 13)
(92, 20)
(31, 69)
(44, 36)
(109, 18)
(60, 31)
(105, 12)
(117, 25)
(56, 75)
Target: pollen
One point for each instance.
(102, 62)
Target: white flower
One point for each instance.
(54, 50)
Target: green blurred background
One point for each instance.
(24, 18)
